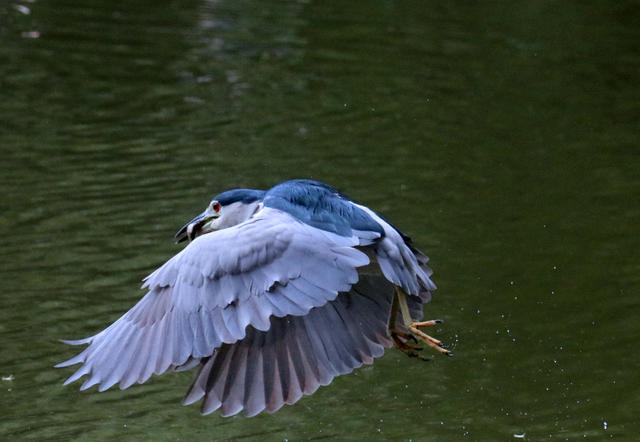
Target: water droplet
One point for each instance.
(22, 9)
(31, 34)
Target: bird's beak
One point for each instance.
(192, 228)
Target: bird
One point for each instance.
(276, 293)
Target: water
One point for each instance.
(503, 138)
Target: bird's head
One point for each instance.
(225, 210)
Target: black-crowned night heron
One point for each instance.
(277, 292)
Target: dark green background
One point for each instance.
(502, 137)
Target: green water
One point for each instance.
(503, 138)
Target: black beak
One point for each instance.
(190, 230)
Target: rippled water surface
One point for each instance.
(503, 138)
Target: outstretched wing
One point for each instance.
(297, 354)
(209, 293)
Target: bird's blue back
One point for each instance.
(320, 206)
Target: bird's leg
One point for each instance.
(404, 341)
(414, 327)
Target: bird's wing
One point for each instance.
(297, 354)
(400, 262)
(207, 295)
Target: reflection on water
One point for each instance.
(502, 138)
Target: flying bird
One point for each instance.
(275, 294)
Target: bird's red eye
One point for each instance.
(215, 206)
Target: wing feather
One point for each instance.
(114, 370)
(135, 368)
(254, 400)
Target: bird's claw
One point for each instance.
(432, 342)
(402, 341)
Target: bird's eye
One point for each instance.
(215, 206)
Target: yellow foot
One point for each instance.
(434, 343)
(417, 335)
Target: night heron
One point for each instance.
(277, 292)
